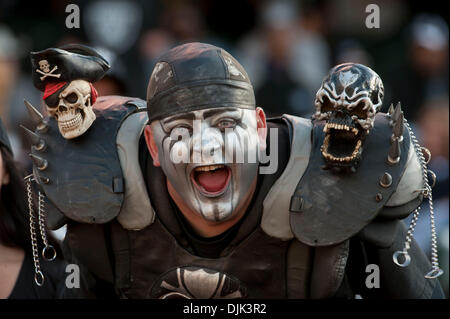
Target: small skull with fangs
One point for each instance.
(350, 96)
(74, 111)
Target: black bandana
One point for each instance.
(196, 76)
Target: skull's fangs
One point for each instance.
(350, 96)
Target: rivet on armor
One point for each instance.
(379, 197)
(386, 180)
(44, 179)
(40, 163)
(296, 204)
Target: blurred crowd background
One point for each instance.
(286, 47)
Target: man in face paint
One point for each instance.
(205, 133)
(188, 205)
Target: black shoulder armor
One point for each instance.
(83, 177)
(329, 207)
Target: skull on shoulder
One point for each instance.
(348, 99)
(74, 111)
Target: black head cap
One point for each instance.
(196, 76)
(65, 64)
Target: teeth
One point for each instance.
(339, 127)
(339, 159)
(72, 123)
(208, 168)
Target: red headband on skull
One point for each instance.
(52, 88)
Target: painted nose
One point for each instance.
(205, 142)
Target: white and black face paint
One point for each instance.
(210, 158)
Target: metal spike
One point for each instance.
(398, 128)
(35, 140)
(40, 163)
(391, 109)
(386, 180)
(32, 137)
(394, 152)
(397, 112)
(36, 116)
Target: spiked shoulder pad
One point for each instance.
(327, 207)
(82, 178)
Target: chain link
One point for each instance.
(427, 193)
(38, 275)
(48, 252)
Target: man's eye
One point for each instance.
(228, 123)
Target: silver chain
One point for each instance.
(38, 275)
(48, 252)
(427, 193)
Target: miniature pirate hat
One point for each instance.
(65, 64)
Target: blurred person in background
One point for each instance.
(185, 22)
(17, 271)
(310, 55)
(433, 124)
(152, 44)
(286, 57)
(352, 50)
(114, 81)
(13, 84)
(9, 69)
(178, 22)
(425, 73)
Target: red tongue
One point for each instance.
(212, 181)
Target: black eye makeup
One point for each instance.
(169, 126)
(226, 120)
(223, 124)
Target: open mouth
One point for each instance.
(211, 180)
(342, 143)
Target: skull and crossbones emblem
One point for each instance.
(44, 69)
